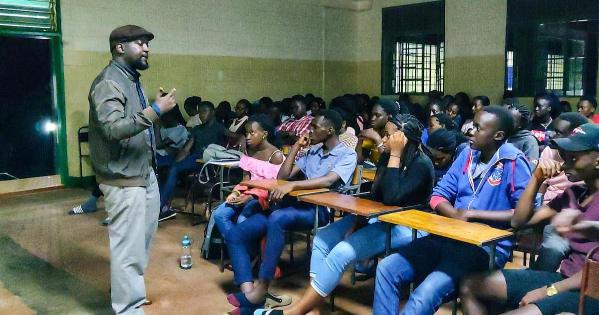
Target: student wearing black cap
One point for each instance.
(122, 145)
(548, 292)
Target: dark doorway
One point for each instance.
(27, 118)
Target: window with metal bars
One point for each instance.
(418, 67)
(30, 15)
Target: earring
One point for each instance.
(263, 137)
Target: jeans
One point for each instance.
(333, 251)
(224, 214)
(244, 237)
(437, 263)
(188, 163)
(552, 251)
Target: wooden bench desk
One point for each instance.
(270, 184)
(347, 203)
(468, 232)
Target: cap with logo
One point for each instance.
(583, 138)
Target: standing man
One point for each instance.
(122, 153)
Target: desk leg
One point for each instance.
(222, 178)
(388, 227)
(316, 220)
(492, 256)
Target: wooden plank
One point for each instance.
(359, 206)
(468, 232)
(270, 184)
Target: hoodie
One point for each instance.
(527, 143)
(498, 188)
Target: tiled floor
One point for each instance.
(52, 263)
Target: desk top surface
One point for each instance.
(359, 206)
(270, 184)
(468, 232)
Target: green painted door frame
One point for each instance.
(58, 91)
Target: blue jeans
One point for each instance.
(224, 214)
(333, 252)
(437, 263)
(244, 238)
(187, 164)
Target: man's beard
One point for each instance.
(140, 65)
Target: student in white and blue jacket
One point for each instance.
(483, 184)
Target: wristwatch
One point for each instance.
(552, 290)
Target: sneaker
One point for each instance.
(167, 214)
(79, 210)
(273, 300)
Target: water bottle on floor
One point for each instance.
(185, 253)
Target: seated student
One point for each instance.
(404, 177)
(315, 105)
(371, 139)
(347, 134)
(441, 147)
(478, 102)
(548, 292)
(170, 138)
(522, 137)
(436, 122)
(223, 113)
(483, 185)
(454, 112)
(546, 108)
(292, 128)
(587, 107)
(210, 131)
(275, 114)
(191, 105)
(236, 129)
(554, 247)
(262, 161)
(566, 107)
(328, 164)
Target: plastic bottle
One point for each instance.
(185, 261)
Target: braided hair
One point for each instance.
(412, 129)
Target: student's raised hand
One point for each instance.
(564, 220)
(532, 296)
(303, 141)
(280, 191)
(547, 169)
(397, 142)
(167, 102)
(231, 198)
(370, 134)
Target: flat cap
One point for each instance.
(128, 33)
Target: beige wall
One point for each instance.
(218, 49)
(232, 49)
(475, 47)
